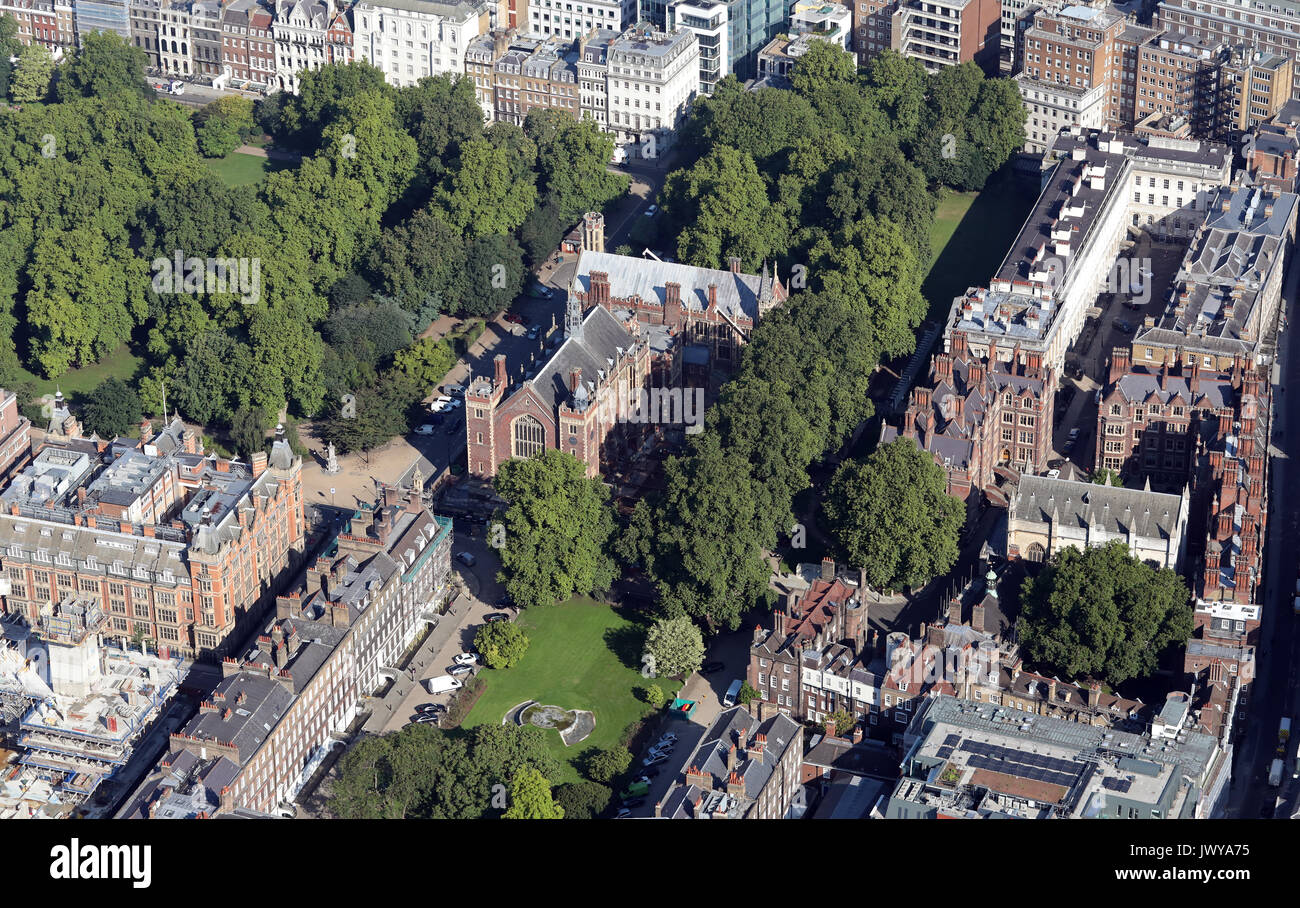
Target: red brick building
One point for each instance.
(978, 418)
(575, 403)
(15, 435)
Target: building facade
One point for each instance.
(411, 39)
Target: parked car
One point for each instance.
(427, 719)
(466, 558)
(532, 334)
(668, 738)
(1053, 474)
(465, 659)
(454, 404)
(453, 426)
(454, 390)
(634, 803)
(711, 668)
(650, 212)
(496, 616)
(426, 429)
(648, 775)
(429, 707)
(653, 761)
(512, 317)
(1074, 433)
(623, 814)
(459, 671)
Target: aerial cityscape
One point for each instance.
(648, 409)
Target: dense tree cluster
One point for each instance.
(403, 206)
(423, 772)
(893, 516)
(833, 180)
(1101, 613)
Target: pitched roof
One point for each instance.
(1069, 502)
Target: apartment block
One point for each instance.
(411, 39)
(873, 22)
(176, 547)
(1100, 185)
(1224, 302)
(15, 436)
(652, 78)
(283, 705)
(248, 43)
(943, 33)
(711, 23)
(809, 22)
(101, 16)
(514, 75)
(1255, 85)
(1268, 26)
(308, 34)
(568, 19)
(144, 20)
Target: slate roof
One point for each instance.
(247, 724)
(594, 350)
(629, 276)
(1118, 510)
(1212, 392)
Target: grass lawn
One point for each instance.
(582, 655)
(970, 236)
(237, 169)
(121, 363)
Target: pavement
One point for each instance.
(454, 634)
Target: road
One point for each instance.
(1275, 691)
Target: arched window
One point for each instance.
(1034, 552)
(529, 437)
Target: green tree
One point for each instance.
(1101, 613)
(441, 113)
(893, 515)
(722, 201)
(502, 643)
(843, 720)
(423, 364)
(530, 798)
(248, 431)
(605, 766)
(677, 646)
(381, 411)
(105, 64)
(482, 196)
(223, 125)
(654, 695)
(112, 409)
(558, 527)
(583, 800)
(321, 93)
(747, 693)
(1105, 477)
(32, 73)
(572, 157)
(822, 64)
(701, 539)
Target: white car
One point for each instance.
(1053, 474)
(650, 212)
(465, 659)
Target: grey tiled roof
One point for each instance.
(248, 723)
(594, 351)
(645, 278)
(1085, 504)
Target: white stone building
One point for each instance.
(411, 39)
(652, 78)
(574, 18)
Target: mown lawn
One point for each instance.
(970, 236)
(237, 169)
(583, 655)
(121, 363)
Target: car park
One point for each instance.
(466, 559)
(453, 426)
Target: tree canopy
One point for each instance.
(1101, 613)
(676, 645)
(893, 516)
(558, 527)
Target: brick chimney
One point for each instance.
(828, 569)
(700, 779)
(1119, 362)
(857, 734)
(575, 378)
(735, 785)
(713, 297)
(189, 443)
(672, 303)
(830, 728)
(977, 617)
(731, 758)
(146, 432)
(599, 288)
(733, 263)
(392, 496)
(258, 463)
(757, 749)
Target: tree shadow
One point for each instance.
(627, 643)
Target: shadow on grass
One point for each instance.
(627, 643)
(979, 243)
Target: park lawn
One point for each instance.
(582, 655)
(121, 363)
(970, 236)
(237, 169)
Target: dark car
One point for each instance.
(428, 708)
(517, 319)
(711, 668)
(1056, 463)
(650, 773)
(634, 803)
(496, 616)
(453, 427)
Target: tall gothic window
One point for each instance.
(529, 437)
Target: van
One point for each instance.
(729, 700)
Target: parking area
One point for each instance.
(453, 636)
